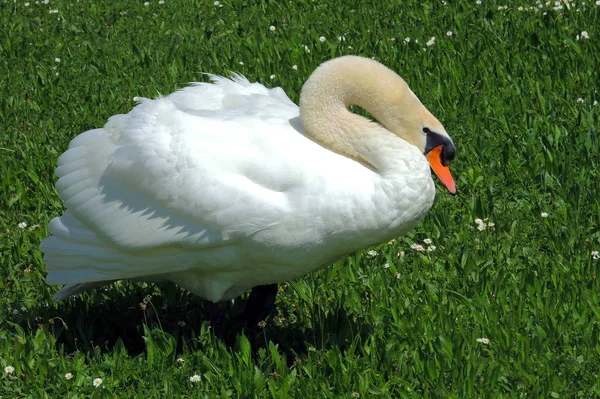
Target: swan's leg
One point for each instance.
(260, 304)
(216, 316)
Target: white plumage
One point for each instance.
(218, 188)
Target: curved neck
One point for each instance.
(351, 80)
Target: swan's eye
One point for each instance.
(426, 130)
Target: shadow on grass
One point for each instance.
(99, 318)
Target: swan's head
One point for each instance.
(403, 114)
(424, 131)
(351, 80)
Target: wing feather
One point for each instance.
(174, 175)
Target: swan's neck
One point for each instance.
(345, 81)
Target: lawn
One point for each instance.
(503, 300)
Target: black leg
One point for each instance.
(260, 304)
(216, 316)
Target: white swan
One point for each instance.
(224, 186)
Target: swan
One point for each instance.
(226, 186)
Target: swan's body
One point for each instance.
(223, 187)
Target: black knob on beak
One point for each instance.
(448, 153)
(434, 140)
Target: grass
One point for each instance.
(505, 84)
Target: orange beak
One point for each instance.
(441, 171)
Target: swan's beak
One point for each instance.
(440, 169)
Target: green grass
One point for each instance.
(506, 86)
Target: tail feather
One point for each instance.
(78, 258)
(62, 248)
(66, 231)
(74, 289)
(74, 256)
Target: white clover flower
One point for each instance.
(15, 312)
(373, 253)
(400, 254)
(146, 4)
(97, 382)
(427, 241)
(386, 266)
(407, 39)
(161, 1)
(322, 39)
(272, 77)
(217, 3)
(580, 100)
(544, 214)
(585, 35)
(481, 225)
(595, 102)
(419, 248)
(484, 341)
(180, 361)
(295, 67)
(431, 248)
(57, 59)
(68, 376)
(520, 8)
(26, 4)
(397, 275)
(22, 225)
(195, 378)
(449, 33)
(491, 224)
(478, 2)
(241, 63)
(431, 41)
(598, 3)
(9, 369)
(272, 28)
